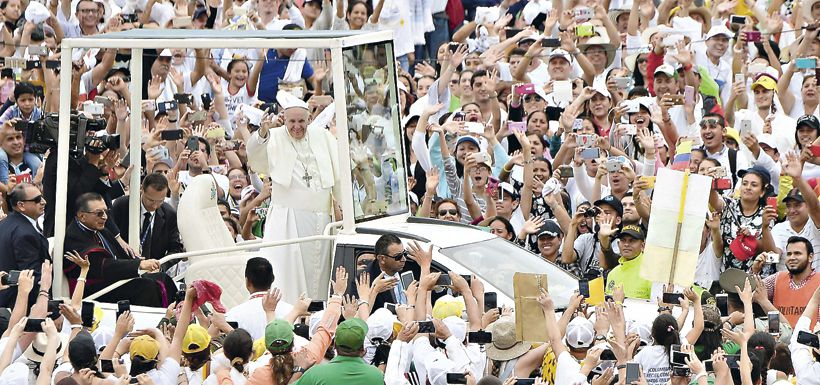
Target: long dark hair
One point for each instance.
(140, 365)
(282, 367)
(665, 332)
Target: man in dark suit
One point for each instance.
(159, 235)
(21, 239)
(389, 263)
(88, 235)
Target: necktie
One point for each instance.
(145, 237)
(39, 228)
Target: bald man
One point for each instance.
(303, 166)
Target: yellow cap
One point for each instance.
(259, 348)
(446, 307)
(196, 339)
(145, 347)
(765, 82)
(731, 133)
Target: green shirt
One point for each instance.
(342, 370)
(628, 275)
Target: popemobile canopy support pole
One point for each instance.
(135, 148)
(62, 169)
(346, 178)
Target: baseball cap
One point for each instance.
(765, 81)
(580, 333)
(467, 138)
(549, 229)
(82, 348)
(145, 347)
(509, 190)
(457, 327)
(808, 120)
(635, 231)
(767, 139)
(279, 336)
(794, 195)
(447, 306)
(643, 330)
(732, 133)
(743, 247)
(196, 339)
(558, 52)
(757, 170)
(350, 334)
(719, 30)
(666, 69)
(613, 202)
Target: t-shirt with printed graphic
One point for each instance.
(731, 221)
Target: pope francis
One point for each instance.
(302, 163)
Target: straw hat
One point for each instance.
(504, 346)
(608, 47)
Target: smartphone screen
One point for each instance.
(774, 322)
(689, 94)
(107, 366)
(170, 135)
(456, 378)
(390, 307)
(444, 280)
(34, 325)
(672, 298)
(583, 287)
(633, 372)
(233, 324)
(87, 314)
(490, 300)
(122, 307)
(11, 278)
(808, 339)
(426, 327)
(722, 302)
(406, 279)
(480, 337)
(316, 306)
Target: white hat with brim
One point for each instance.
(807, 6)
(604, 43)
(37, 348)
(646, 35)
(718, 30)
(614, 13)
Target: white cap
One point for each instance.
(666, 69)
(559, 52)
(288, 100)
(580, 333)
(380, 325)
(36, 12)
(767, 139)
(719, 29)
(457, 326)
(438, 365)
(166, 53)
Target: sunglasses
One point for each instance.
(398, 257)
(711, 123)
(98, 213)
(532, 98)
(442, 213)
(36, 199)
(642, 60)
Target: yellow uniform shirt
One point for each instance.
(628, 275)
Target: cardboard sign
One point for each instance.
(664, 224)
(529, 318)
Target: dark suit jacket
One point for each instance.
(105, 269)
(164, 235)
(23, 248)
(83, 177)
(389, 296)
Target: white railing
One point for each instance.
(254, 244)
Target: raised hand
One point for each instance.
(532, 225)
(423, 257)
(272, 298)
(340, 284)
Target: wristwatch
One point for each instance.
(600, 337)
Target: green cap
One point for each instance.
(350, 334)
(279, 336)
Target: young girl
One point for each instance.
(241, 83)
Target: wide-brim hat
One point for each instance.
(37, 349)
(608, 47)
(504, 346)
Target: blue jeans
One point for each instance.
(31, 160)
(439, 36)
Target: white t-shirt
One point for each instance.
(232, 101)
(708, 268)
(166, 374)
(654, 361)
(251, 316)
(237, 378)
(568, 370)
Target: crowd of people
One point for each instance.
(542, 122)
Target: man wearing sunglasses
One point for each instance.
(22, 239)
(385, 269)
(88, 236)
(713, 133)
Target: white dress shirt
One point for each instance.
(251, 316)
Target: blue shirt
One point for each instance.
(273, 70)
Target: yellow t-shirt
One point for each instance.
(628, 275)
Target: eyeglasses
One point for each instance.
(98, 213)
(711, 123)
(153, 200)
(36, 199)
(642, 60)
(442, 213)
(399, 256)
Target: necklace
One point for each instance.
(307, 177)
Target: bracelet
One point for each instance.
(363, 303)
(81, 279)
(44, 294)
(76, 326)
(699, 375)
(619, 367)
(505, 169)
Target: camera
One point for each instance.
(98, 144)
(42, 135)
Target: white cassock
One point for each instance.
(304, 173)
